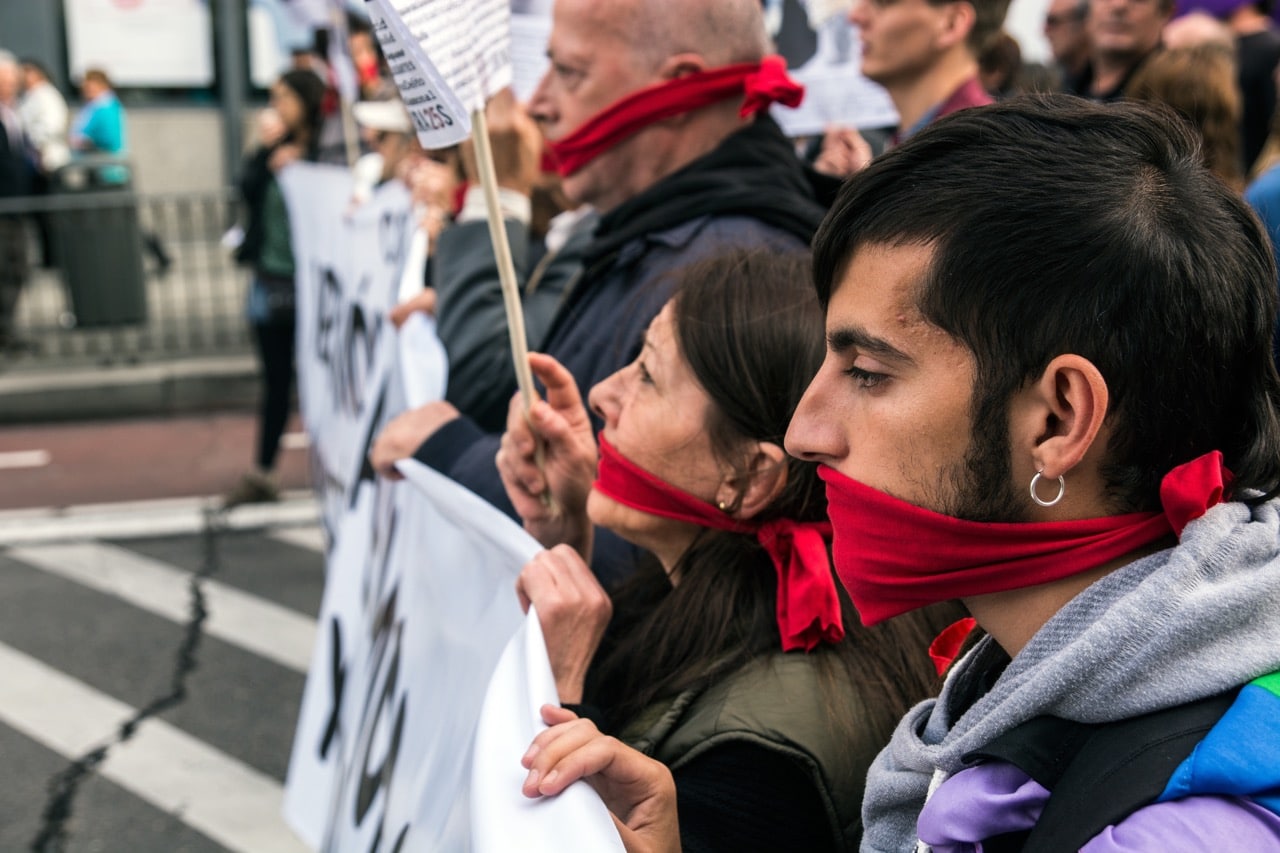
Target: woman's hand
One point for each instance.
(573, 610)
(551, 499)
(638, 791)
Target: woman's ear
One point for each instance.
(749, 492)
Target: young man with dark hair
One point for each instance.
(1049, 394)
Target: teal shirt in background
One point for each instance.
(101, 123)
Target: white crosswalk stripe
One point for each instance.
(261, 627)
(215, 763)
(222, 798)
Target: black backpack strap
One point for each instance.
(1098, 774)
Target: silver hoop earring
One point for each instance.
(1062, 490)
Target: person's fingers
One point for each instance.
(573, 574)
(562, 388)
(563, 754)
(554, 715)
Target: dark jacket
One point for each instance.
(472, 320)
(751, 191)
(771, 711)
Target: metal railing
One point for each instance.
(103, 297)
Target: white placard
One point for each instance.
(142, 42)
(447, 58)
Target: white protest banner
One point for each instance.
(501, 817)
(418, 609)
(348, 264)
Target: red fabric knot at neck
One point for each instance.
(763, 83)
(945, 646)
(893, 556)
(808, 604)
(771, 84)
(1187, 492)
(808, 610)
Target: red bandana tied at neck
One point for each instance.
(894, 557)
(763, 84)
(808, 605)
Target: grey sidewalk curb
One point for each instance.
(155, 388)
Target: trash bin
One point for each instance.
(97, 242)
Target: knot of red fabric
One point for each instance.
(770, 84)
(808, 609)
(1187, 492)
(764, 82)
(945, 646)
(808, 605)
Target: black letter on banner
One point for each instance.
(338, 682)
(373, 783)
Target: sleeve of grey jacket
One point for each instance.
(472, 321)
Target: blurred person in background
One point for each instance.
(44, 112)
(1000, 66)
(296, 97)
(1122, 35)
(366, 55)
(1249, 29)
(99, 127)
(386, 129)
(1200, 84)
(15, 181)
(925, 54)
(1064, 29)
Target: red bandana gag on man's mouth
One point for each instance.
(763, 83)
(808, 604)
(894, 557)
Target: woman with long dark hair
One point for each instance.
(297, 98)
(731, 656)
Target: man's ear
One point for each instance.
(1058, 419)
(958, 18)
(681, 65)
(748, 493)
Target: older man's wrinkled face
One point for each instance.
(592, 65)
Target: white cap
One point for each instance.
(383, 115)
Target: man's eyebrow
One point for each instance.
(851, 337)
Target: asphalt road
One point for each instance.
(70, 464)
(201, 623)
